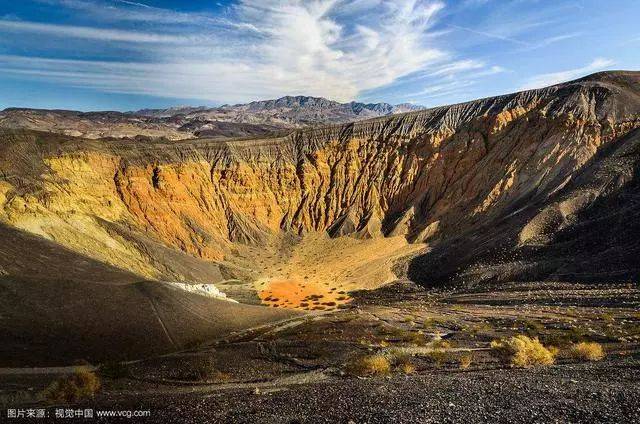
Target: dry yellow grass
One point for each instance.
(417, 339)
(404, 363)
(466, 359)
(407, 368)
(82, 384)
(587, 351)
(522, 351)
(369, 365)
(441, 344)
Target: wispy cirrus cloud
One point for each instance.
(492, 35)
(373, 50)
(453, 79)
(556, 39)
(328, 48)
(551, 78)
(113, 11)
(514, 23)
(457, 67)
(68, 31)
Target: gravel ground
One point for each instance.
(605, 392)
(291, 374)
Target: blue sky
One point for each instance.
(126, 55)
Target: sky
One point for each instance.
(127, 55)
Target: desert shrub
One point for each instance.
(438, 357)
(441, 344)
(522, 351)
(82, 384)
(114, 370)
(369, 365)
(403, 362)
(407, 368)
(555, 351)
(465, 360)
(414, 338)
(587, 351)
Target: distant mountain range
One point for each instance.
(251, 120)
(288, 111)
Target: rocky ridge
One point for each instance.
(252, 120)
(288, 111)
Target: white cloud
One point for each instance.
(492, 35)
(552, 78)
(330, 48)
(457, 67)
(557, 38)
(452, 79)
(305, 43)
(440, 88)
(67, 31)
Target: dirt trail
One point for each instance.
(309, 377)
(44, 370)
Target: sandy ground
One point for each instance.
(316, 272)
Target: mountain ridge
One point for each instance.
(255, 119)
(293, 111)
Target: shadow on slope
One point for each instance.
(587, 232)
(59, 306)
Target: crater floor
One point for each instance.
(315, 272)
